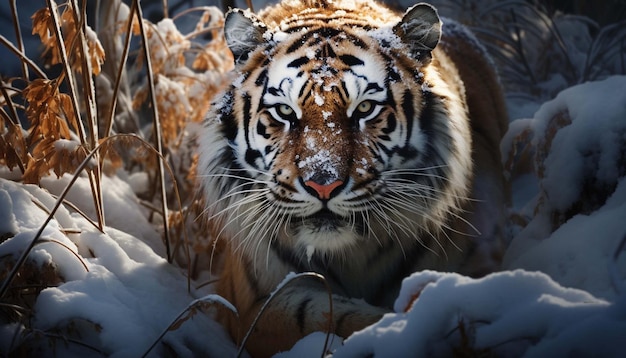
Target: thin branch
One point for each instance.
(118, 79)
(18, 36)
(68, 249)
(23, 57)
(157, 127)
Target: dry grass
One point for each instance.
(539, 53)
(118, 97)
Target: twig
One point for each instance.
(23, 57)
(120, 72)
(68, 249)
(71, 81)
(157, 127)
(18, 36)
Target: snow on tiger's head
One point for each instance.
(336, 129)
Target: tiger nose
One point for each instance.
(323, 191)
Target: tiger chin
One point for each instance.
(354, 142)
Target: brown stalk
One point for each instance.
(68, 249)
(157, 127)
(118, 78)
(71, 81)
(23, 58)
(90, 105)
(18, 36)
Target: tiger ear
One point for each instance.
(243, 32)
(420, 28)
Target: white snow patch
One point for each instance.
(319, 100)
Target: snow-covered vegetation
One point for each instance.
(103, 250)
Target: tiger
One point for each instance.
(355, 146)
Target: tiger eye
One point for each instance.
(364, 106)
(285, 110)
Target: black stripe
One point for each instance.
(288, 256)
(385, 149)
(302, 89)
(261, 78)
(328, 52)
(247, 105)
(351, 60)
(375, 154)
(408, 152)
(344, 91)
(299, 43)
(392, 74)
(301, 314)
(373, 86)
(428, 122)
(428, 112)
(229, 126)
(409, 114)
(348, 19)
(337, 90)
(298, 62)
(251, 154)
(392, 123)
(357, 41)
(275, 91)
(248, 268)
(262, 130)
(324, 32)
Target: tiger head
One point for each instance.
(336, 130)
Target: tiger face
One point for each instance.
(336, 132)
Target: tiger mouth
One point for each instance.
(325, 220)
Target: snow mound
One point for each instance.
(116, 295)
(568, 170)
(506, 314)
(511, 314)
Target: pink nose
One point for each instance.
(323, 191)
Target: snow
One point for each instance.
(502, 312)
(113, 279)
(579, 140)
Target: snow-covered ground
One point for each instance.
(562, 290)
